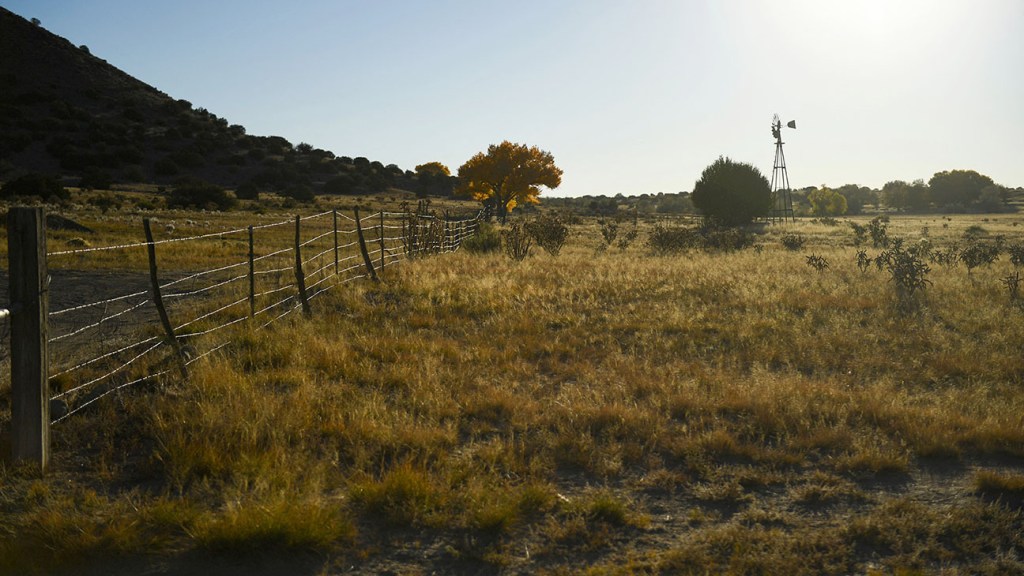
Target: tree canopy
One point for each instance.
(434, 178)
(957, 187)
(507, 175)
(433, 169)
(733, 193)
(827, 202)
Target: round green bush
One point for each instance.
(732, 193)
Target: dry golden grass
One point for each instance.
(610, 413)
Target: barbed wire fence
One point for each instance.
(158, 323)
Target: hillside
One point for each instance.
(68, 113)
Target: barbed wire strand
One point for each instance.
(206, 288)
(315, 238)
(97, 303)
(107, 393)
(111, 373)
(101, 357)
(211, 313)
(99, 322)
(203, 273)
(216, 328)
(155, 242)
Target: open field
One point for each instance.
(601, 412)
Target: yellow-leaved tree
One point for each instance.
(508, 175)
(433, 178)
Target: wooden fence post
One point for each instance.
(300, 277)
(29, 295)
(158, 300)
(382, 249)
(252, 276)
(335, 241)
(362, 248)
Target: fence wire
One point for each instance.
(101, 347)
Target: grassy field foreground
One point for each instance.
(611, 413)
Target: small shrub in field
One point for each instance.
(626, 239)
(1013, 285)
(974, 232)
(860, 233)
(819, 263)
(922, 249)
(708, 236)
(878, 228)
(614, 232)
(105, 202)
(793, 241)
(517, 241)
(486, 240)
(549, 232)
(609, 232)
(712, 237)
(669, 239)
(979, 254)
(947, 258)
(863, 261)
(1016, 252)
(909, 274)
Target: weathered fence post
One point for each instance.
(362, 248)
(29, 285)
(382, 249)
(252, 276)
(158, 300)
(300, 277)
(335, 211)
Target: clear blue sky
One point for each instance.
(630, 96)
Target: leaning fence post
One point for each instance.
(29, 294)
(300, 277)
(252, 276)
(158, 299)
(362, 248)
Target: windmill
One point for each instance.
(782, 201)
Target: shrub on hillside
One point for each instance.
(40, 185)
(299, 193)
(95, 179)
(247, 191)
(202, 195)
(342, 184)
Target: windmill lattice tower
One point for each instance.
(782, 207)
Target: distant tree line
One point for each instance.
(950, 191)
